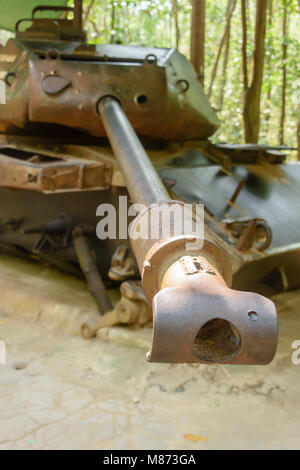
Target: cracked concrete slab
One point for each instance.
(58, 391)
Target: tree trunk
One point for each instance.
(87, 12)
(269, 71)
(253, 93)
(230, 9)
(284, 58)
(298, 126)
(298, 136)
(198, 37)
(177, 30)
(244, 45)
(112, 24)
(224, 71)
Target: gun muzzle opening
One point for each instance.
(217, 341)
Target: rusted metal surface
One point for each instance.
(250, 233)
(88, 264)
(256, 153)
(56, 78)
(55, 234)
(60, 28)
(190, 287)
(38, 171)
(154, 256)
(131, 309)
(269, 192)
(52, 84)
(199, 319)
(143, 182)
(123, 265)
(193, 290)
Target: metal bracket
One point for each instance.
(246, 230)
(55, 234)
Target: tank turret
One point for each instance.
(54, 77)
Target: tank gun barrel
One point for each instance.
(143, 182)
(197, 317)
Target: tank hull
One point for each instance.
(269, 192)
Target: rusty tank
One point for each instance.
(88, 126)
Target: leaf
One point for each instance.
(194, 438)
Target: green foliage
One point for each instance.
(152, 23)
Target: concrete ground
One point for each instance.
(58, 391)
